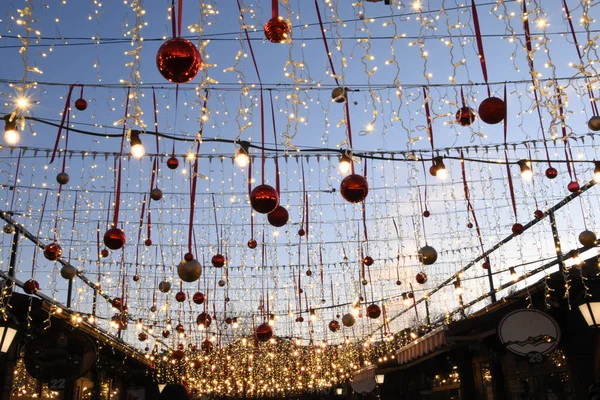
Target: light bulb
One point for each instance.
(440, 169)
(345, 164)
(241, 159)
(526, 172)
(513, 274)
(596, 176)
(442, 173)
(138, 151)
(11, 137)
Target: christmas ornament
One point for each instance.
(68, 272)
(348, 320)
(492, 110)
(218, 260)
(465, 116)
(117, 303)
(178, 355)
(207, 346)
(364, 282)
(31, 286)
(427, 255)
(148, 242)
(264, 332)
(277, 30)
(204, 319)
(166, 333)
(81, 104)
(62, 178)
(398, 282)
(142, 336)
(594, 123)
(278, 217)
(485, 265)
(178, 60)
(114, 238)
(354, 188)
(229, 320)
(104, 253)
(517, 229)
(198, 298)
(421, 278)
(180, 329)
(539, 214)
(573, 187)
(469, 225)
(180, 297)
(368, 261)
(252, 244)
(373, 311)
(334, 326)
(164, 286)
(339, 94)
(52, 251)
(426, 214)
(551, 173)
(153, 309)
(264, 199)
(156, 194)
(301, 232)
(221, 283)
(309, 273)
(587, 239)
(189, 271)
(172, 163)
(9, 229)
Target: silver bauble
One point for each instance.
(587, 238)
(9, 229)
(339, 94)
(156, 194)
(189, 271)
(68, 272)
(427, 255)
(62, 178)
(594, 123)
(348, 320)
(164, 286)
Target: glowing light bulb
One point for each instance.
(345, 164)
(596, 176)
(137, 148)
(11, 134)
(526, 172)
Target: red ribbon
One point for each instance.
(480, 45)
(62, 123)
(216, 223)
(35, 249)
(564, 135)
(468, 199)
(277, 184)
(274, 9)
(14, 187)
(429, 124)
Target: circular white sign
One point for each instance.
(529, 332)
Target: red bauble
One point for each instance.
(426, 214)
(142, 336)
(136, 278)
(148, 242)
(81, 104)
(188, 257)
(117, 303)
(411, 295)
(252, 244)
(229, 320)
(204, 319)
(198, 298)
(465, 116)
(172, 163)
(299, 319)
(492, 110)
(354, 188)
(398, 282)
(264, 199)
(334, 326)
(278, 217)
(485, 265)
(264, 332)
(309, 273)
(277, 30)
(373, 311)
(166, 333)
(180, 297)
(368, 261)
(207, 346)
(551, 173)
(104, 253)
(178, 355)
(301, 232)
(539, 214)
(52, 251)
(218, 260)
(179, 328)
(31, 286)
(573, 187)
(114, 238)
(178, 60)
(469, 225)
(421, 277)
(517, 229)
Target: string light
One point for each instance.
(526, 172)
(345, 165)
(11, 133)
(596, 176)
(137, 148)
(241, 154)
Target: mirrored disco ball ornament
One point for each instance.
(204, 319)
(81, 104)
(264, 332)
(421, 278)
(264, 199)
(178, 60)
(277, 30)
(189, 271)
(348, 320)
(465, 116)
(354, 188)
(339, 94)
(587, 238)
(334, 326)
(172, 163)
(114, 238)
(156, 194)
(551, 173)
(198, 298)
(31, 286)
(492, 110)
(52, 251)
(594, 123)
(62, 178)
(164, 286)
(218, 260)
(373, 311)
(278, 217)
(427, 255)
(68, 272)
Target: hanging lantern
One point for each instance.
(68, 272)
(81, 104)
(172, 163)
(62, 178)
(204, 319)
(178, 60)
(587, 239)
(218, 260)
(31, 286)
(354, 188)
(348, 320)
(114, 238)
(427, 255)
(551, 173)
(334, 326)
(373, 311)
(421, 278)
(264, 199)
(594, 123)
(264, 332)
(277, 30)
(164, 286)
(156, 194)
(189, 271)
(492, 110)
(52, 251)
(198, 298)
(252, 244)
(465, 116)
(278, 217)
(180, 297)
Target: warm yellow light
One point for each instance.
(138, 151)
(22, 103)
(11, 136)
(345, 164)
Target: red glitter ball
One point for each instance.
(264, 199)
(172, 163)
(278, 217)
(264, 332)
(114, 238)
(180, 297)
(166, 333)
(178, 60)
(517, 229)
(373, 311)
(148, 242)
(421, 278)
(204, 319)
(334, 326)
(354, 188)
(309, 273)
(252, 243)
(368, 261)
(218, 260)
(492, 110)
(31, 286)
(551, 173)
(81, 104)
(277, 30)
(229, 320)
(465, 116)
(539, 214)
(573, 187)
(469, 225)
(52, 251)
(198, 298)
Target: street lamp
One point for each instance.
(7, 336)
(379, 378)
(590, 310)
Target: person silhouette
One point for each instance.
(174, 391)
